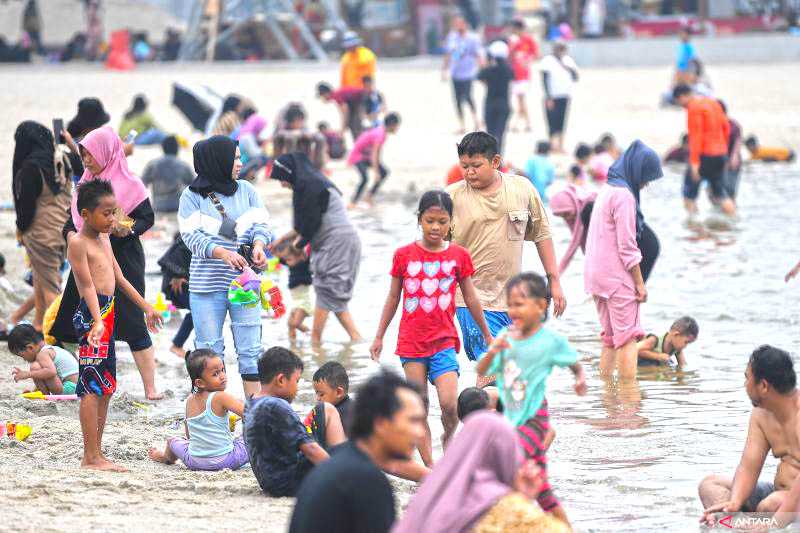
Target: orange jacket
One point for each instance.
(709, 129)
(355, 65)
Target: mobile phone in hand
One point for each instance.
(129, 138)
(58, 129)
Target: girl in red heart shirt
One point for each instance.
(425, 275)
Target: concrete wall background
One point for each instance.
(743, 48)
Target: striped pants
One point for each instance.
(531, 436)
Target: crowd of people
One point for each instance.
(465, 267)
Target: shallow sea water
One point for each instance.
(626, 457)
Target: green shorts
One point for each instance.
(69, 387)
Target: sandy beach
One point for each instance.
(42, 487)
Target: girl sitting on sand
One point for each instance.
(209, 444)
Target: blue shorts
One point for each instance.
(438, 364)
(474, 345)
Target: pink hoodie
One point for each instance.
(611, 249)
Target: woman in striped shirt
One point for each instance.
(218, 214)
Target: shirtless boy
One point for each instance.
(770, 382)
(657, 351)
(96, 275)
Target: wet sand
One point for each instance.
(644, 447)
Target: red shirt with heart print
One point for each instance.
(429, 297)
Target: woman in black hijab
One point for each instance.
(218, 215)
(41, 200)
(320, 219)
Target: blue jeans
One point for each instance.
(151, 136)
(208, 313)
(181, 301)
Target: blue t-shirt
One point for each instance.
(522, 371)
(685, 54)
(273, 434)
(464, 51)
(542, 173)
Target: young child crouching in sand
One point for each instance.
(656, 351)
(209, 443)
(53, 370)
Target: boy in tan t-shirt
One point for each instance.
(493, 214)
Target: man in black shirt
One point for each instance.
(349, 493)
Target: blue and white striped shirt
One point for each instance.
(199, 223)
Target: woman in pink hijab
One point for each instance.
(480, 484)
(569, 204)
(103, 156)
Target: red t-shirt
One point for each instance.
(347, 95)
(429, 297)
(523, 50)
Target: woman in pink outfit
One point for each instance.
(569, 204)
(612, 274)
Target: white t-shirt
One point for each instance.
(560, 78)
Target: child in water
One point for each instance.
(53, 370)
(768, 154)
(299, 286)
(425, 274)
(540, 169)
(521, 358)
(582, 154)
(366, 155)
(209, 443)
(656, 351)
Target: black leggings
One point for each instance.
(496, 118)
(463, 94)
(363, 169)
(355, 119)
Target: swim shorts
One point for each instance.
(520, 87)
(97, 365)
(437, 364)
(302, 299)
(474, 345)
(69, 388)
(761, 491)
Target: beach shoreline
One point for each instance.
(42, 487)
